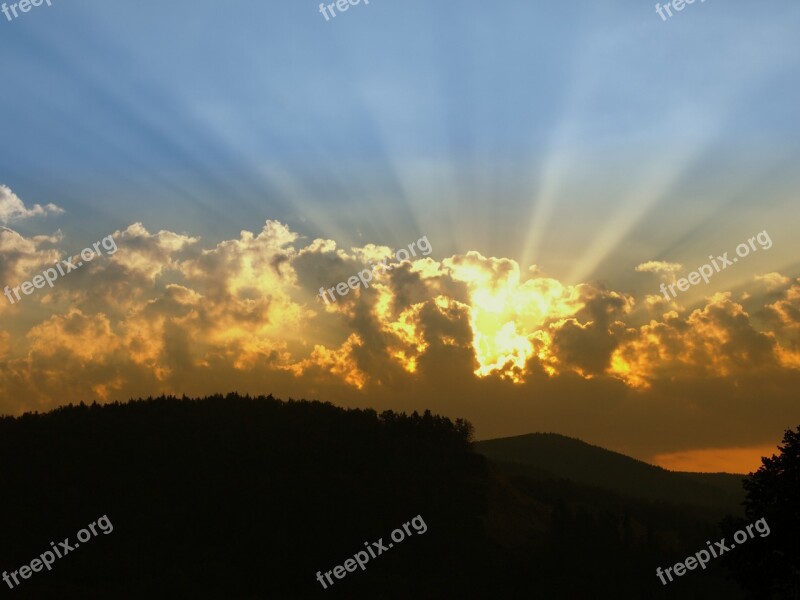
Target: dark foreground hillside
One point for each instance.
(239, 498)
(234, 497)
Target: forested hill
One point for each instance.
(237, 497)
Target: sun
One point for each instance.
(510, 317)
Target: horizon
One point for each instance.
(770, 453)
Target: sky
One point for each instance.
(559, 161)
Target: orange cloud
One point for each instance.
(717, 340)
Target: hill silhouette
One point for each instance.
(238, 497)
(543, 455)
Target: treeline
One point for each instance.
(239, 497)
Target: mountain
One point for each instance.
(549, 455)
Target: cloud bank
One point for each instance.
(467, 335)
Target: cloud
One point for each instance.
(12, 208)
(717, 340)
(774, 281)
(587, 341)
(658, 266)
(469, 335)
(21, 258)
(783, 318)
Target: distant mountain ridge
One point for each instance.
(550, 455)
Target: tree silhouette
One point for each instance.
(769, 567)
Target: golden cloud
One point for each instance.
(163, 313)
(658, 266)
